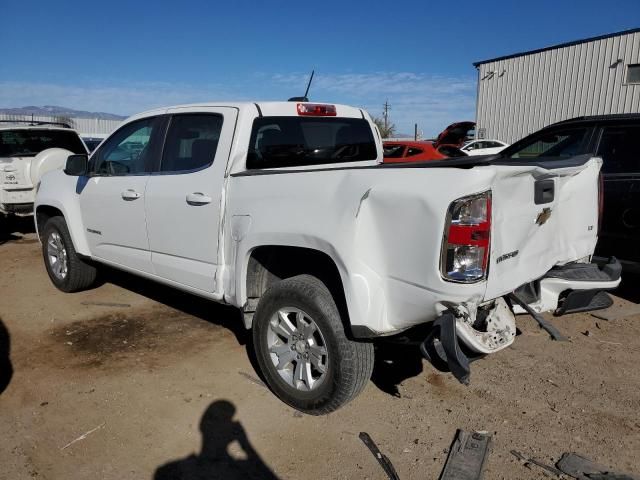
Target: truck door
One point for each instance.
(620, 151)
(112, 198)
(183, 203)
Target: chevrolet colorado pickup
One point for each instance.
(285, 210)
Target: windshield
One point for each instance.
(28, 143)
(560, 143)
(295, 141)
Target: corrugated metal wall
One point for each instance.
(520, 95)
(84, 126)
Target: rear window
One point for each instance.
(296, 141)
(559, 143)
(28, 143)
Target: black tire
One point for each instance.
(80, 275)
(349, 364)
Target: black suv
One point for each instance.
(615, 138)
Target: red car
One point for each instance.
(446, 145)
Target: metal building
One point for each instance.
(86, 127)
(519, 94)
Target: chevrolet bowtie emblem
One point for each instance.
(543, 216)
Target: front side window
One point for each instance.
(299, 141)
(192, 141)
(128, 151)
(30, 142)
(559, 143)
(620, 150)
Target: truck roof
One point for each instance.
(266, 109)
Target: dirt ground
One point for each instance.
(135, 381)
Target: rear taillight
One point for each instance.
(465, 248)
(317, 110)
(600, 201)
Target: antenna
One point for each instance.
(306, 92)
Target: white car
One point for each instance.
(27, 151)
(484, 147)
(285, 210)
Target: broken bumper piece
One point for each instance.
(457, 339)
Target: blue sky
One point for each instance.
(123, 57)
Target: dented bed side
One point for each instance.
(383, 228)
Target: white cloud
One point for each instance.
(431, 101)
(123, 100)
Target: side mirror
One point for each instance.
(77, 165)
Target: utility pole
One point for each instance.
(385, 115)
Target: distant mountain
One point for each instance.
(55, 111)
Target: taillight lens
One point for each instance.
(317, 110)
(465, 248)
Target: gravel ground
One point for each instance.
(132, 380)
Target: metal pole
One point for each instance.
(385, 115)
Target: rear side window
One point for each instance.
(393, 151)
(28, 143)
(559, 143)
(620, 150)
(411, 151)
(297, 141)
(192, 141)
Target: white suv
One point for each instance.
(27, 151)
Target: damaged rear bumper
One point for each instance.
(575, 287)
(460, 335)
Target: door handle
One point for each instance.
(130, 195)
(198, 198)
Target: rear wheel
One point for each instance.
(66, 269)
(302, 349)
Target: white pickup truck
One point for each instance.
(285, 211)
(29, 149)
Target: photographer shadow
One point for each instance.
(219, 431)
(6, 369)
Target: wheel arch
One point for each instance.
(267, 264)
(45, 211)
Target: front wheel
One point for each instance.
(66, 269)
(302, 349)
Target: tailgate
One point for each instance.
(14, 172)
(541, 216)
